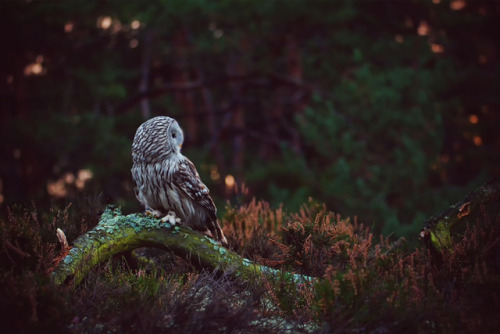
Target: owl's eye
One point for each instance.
(174, 134)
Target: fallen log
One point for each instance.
(118, 234)
(442, 231)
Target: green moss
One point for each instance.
(440, 235)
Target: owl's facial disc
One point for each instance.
(176, 136)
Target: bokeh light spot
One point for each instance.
(133, 43)
(437, 48)
(457, 4)
(68, 27)
(423, 29)
(104, 22)
(229, 179)
(135, 24)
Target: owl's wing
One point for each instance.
(189, 181)
(138, 185)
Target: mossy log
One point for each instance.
(117, 234)
(441, 231)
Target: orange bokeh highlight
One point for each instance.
(457, 4)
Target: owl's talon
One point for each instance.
(153, 213)
(171, 219)
(166, 219)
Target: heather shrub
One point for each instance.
(372, 283)
(28, 246)
(363, 282)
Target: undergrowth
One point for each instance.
(366, 283)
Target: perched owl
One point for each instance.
(165, 180)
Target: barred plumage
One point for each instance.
(165, 180)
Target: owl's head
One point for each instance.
(157, 139)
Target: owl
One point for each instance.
(165, 180)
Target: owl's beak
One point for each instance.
(180, 145)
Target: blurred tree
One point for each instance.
(383, 110)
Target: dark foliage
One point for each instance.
(385, 110)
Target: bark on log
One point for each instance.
(116, 234)
(440, 232)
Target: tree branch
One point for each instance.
(116, 234)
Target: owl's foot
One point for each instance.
(171, 218)
(153, 213)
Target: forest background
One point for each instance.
(384, 110)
